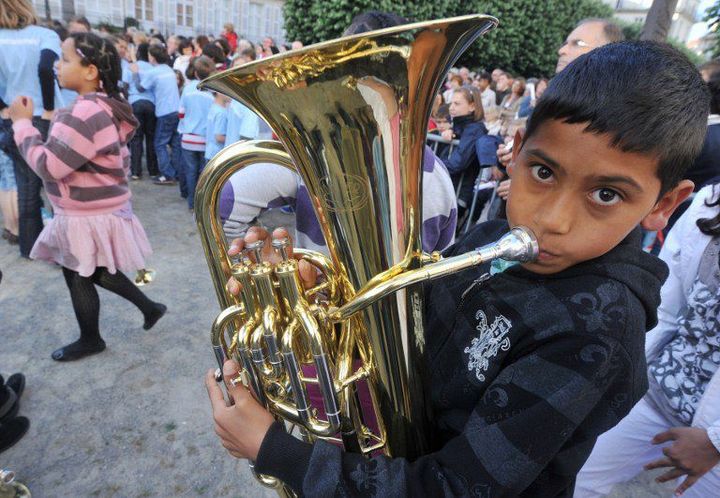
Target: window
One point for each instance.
(184, 13)
(144, 10)
(255, 24)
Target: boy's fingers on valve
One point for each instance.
(217, 400)
(235, 387)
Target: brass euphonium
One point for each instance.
(351, 115)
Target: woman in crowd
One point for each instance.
(185, 51)
(511, 104)
(454, 82)
(467, 115)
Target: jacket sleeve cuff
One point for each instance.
(713, 433)
(283, 456)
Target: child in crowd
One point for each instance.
(195, 107)
(84, 167)
(682, 405)
(216, 125)
(162, 82)
(242, 123)
(143, 105)
(442, 121)
(530, 363)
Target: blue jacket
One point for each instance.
(464, 157)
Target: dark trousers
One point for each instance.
(194, 164)
(28, 189)
(144, 111)
(170, 166)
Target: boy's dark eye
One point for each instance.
(541, 173)
(606, 196)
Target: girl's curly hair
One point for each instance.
(101, 53)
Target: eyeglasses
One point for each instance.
(575, 44)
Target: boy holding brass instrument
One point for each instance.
(530, 363)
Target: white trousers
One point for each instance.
(620, 454)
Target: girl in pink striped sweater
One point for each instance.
(84, 166)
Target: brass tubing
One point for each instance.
(217, 330)
(322, 365)
(518, 245)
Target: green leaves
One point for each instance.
(712, 17)
(525, 42)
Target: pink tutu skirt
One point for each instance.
(83, 243)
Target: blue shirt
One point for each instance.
(162, 82)
(133, 93)
(195, 105)
(190, 86)
(19, 59)
(216, 125)
(242, 123)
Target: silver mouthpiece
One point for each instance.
(519, 245)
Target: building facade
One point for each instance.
(253, 19)
(635, 11)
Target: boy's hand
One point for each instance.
(134, 68)
(21, 108)
(692, 453)
(241, 426)
(308, 274)
(447, 134)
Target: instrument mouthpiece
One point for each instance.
(519, 245)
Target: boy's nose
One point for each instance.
(556, 217)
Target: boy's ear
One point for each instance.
(517, 145)
(658, 218)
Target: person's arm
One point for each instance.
(46, 73)
(463, 153)
(439, 205)
(523, 420)
(69, 145)
(248, 193)
(143, 80)
(220, 126)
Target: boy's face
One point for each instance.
(442, 124)
(581, 196)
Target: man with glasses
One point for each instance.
(587, 35)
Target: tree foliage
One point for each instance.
(525, 42)
(712, 17)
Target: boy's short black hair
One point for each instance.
(443, 112)
(204, 66)
(214, 52)
(159, 54)
(646, 95)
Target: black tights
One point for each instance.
(86, 302)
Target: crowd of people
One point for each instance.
(83, 112)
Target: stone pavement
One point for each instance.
(133, 421)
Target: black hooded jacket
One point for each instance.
(527, 371)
